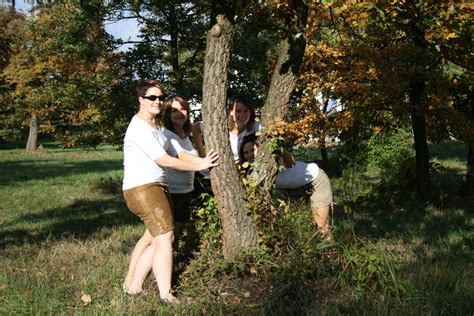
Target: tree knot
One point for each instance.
(216, 31)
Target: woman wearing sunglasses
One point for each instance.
(145, 191)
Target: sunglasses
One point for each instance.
(154, 97)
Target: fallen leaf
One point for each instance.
(86, 299)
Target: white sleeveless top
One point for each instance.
(179, 181)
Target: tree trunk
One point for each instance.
(174, 52)
(423, 180)
(239, 229)
(417, 88)
(32, 142)
(282, 85)
(323, 149)
(470, 172)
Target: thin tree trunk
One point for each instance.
(470, 172)
(32, 142)
(423, 179)
(282, 84)
(239, 228)
(323, 149)
(177, 73)
(417, 88)
(470, 143)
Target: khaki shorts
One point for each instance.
(152, 204)
(319, 191)
(321, 195)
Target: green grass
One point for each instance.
(66, 232)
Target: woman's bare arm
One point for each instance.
(198, 139)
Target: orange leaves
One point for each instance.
(299, 131)
(371, 55)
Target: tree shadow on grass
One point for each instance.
(436, 244)
(19, 171)
(448, 150)
(79, 220)
(423, 222)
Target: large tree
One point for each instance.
(239, 227)
(60, 74)
(13, 25)
(389, 56)
(171, 41)
(239, 230)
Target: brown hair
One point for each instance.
(240, 99)
(250, 138)
(146, 84)
(166, 117)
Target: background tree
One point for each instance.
(384, 57)
(12, 24)
(60, 73)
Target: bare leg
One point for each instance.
(163, 264)
(320, 218)
(132, 285)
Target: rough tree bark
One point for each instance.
(239, 228)
(32, 142)
(282, 84)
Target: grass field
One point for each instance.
(66, 235)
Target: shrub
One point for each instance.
(385, 152)
(208, 224)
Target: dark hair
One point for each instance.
(146, 84)
(166, 116)
(245, 101)
(250, 138)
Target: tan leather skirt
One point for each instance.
(152, 204)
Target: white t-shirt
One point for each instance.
(179, 181)
(236, 140)
(296, 177)
(143, 144)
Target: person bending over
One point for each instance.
(298, 176)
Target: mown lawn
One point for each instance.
(66, 235)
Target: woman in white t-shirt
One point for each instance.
(177, 127)
(241, 121)
(299, 176)
(146, 193)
